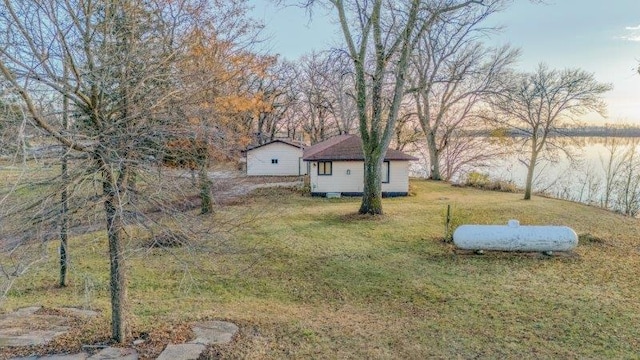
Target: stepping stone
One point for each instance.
(207, 333)
(112, 353)
(214, 332)
(80, 356)
(18, 337)
(25, 327)
(81, 312)
(25, 311)
(182, 352)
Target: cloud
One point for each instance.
(632, 34)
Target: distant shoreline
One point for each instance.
(586, 131)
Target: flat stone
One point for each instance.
(182, 352)
(25, 327)
(81, 312)
(214, 332)
(80, 356)
(112, 353)
(26, 311)
(30, 338)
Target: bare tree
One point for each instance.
(537, 105)
(324, 104)
(451, 74)
(628, 184)
(11, 123)
(64, 195)
(277, 89)
(621, 176)
(407, 132)
(379, 37)
(465, 151)
(340, 82)
(314, 101)
(612, 166)
(121, 84)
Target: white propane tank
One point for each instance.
(513, 237)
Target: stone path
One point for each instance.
(207, 333)
(24, 328)
(109, 353)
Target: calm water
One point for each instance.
(578, 176)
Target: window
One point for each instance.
(324, 168)
(274, 161)
(385, 172)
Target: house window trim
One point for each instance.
(330, 166)
(388, 172)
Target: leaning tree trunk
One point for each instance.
(372, 191)
(113, 206)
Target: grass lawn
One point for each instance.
(308, 278)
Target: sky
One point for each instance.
(601, 37)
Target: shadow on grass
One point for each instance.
(356, 217)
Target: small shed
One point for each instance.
(336, 165)
(276, 158)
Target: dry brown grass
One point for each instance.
(309, 279)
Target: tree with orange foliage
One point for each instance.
(220, 113)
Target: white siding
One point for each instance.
(259, 160)
(353, 181)
(398, 177)
(339, 180)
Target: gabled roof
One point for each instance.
(295, 144)
(346, 147)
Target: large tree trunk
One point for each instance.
(115, 231)
(64, 211)
(64, 225)
(372, 191)
(530, 172)
(434, 156)
(201, 149)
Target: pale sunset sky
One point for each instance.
(602, 37)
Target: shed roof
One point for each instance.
(347, 148)
(293, 143)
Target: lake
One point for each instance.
(580, 174)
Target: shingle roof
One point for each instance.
(284, 141)
(346, 147)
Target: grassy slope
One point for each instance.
(308, 278)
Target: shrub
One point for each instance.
(476, 179)
(482, 181)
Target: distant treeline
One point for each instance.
(602, 131)
(575, 131)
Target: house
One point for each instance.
(337, 166)
(276, 158)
